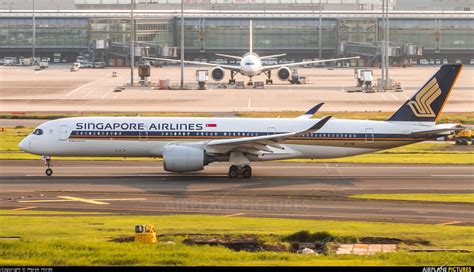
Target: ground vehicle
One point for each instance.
(463, 137)
(10, 61)
(438, 61)
(44, 63)
(445, 61)
(432, 61)
(424, 61)
(99, 64)
(471, 61)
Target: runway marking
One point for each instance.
(96, 201)
(25, 208)
(235, 214)
(449, 223)
(452, 175)
(249, 105)
(91, 201)
(83, 86)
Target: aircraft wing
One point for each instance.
(272, 67)
(254, 145)
(223, 66)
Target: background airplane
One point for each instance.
(188, 144)
(251, 65)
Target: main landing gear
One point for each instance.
(232, 79)
(240, 170)
(269, 79)
(48, 171)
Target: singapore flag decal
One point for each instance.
(211, 125)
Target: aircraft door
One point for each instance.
(63, 133)
(143, 135)
(369, 135)
(271, 130)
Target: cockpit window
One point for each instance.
(249, 63)
(38, 131)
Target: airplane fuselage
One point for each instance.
(250, 65)
(147, 136)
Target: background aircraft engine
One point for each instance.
(217, 74)
(178, 158)
(284, 73)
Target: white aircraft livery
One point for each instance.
(251, 65)
(189, 144)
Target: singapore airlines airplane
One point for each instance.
(188, 144)
(251, 65)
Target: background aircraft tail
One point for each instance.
(250, 38)
(426, 105)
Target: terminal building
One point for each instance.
(73, 28)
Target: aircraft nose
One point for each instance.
(25, 144)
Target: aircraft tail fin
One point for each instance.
(426, 104)
(250, 38)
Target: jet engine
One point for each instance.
(284, 73)
(177, 158)
(217, 73)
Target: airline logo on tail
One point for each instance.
(421, 107)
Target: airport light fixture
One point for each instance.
(182, 44)
(320, 30)
(132, 42)
(33, 44)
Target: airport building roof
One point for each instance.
(236, 13)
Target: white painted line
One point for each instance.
(235, 214)
(452, 175)
(394, 96)
(249, 105)
(449, 223)
(25, 208)
(83, 86)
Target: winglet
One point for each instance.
(320, 124)
(310, 112)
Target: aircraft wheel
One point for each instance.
(247, 171)
(49, 172)
(233, 171)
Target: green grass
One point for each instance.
(447, 117)
(84, 240)
(467, 198)
(421, 153)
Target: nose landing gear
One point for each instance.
(48, 171)
(240, 170)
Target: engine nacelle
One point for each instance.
(217, 73)
(178, 158)
(284, 73)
